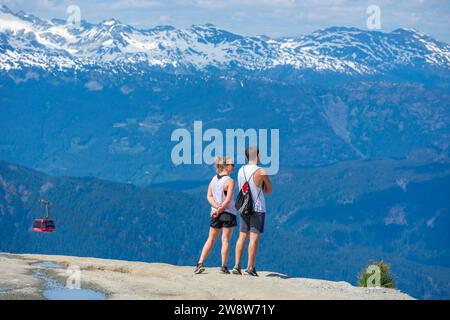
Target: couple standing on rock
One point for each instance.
(223, 211)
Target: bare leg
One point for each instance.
(253, 249)
(213, 235)
(226, 237)
(240, 246)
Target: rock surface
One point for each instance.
(138, 280)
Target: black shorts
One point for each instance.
(224, 220)
(253, 223)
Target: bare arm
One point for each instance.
(210, 198)
(229, 188)
(262, 180)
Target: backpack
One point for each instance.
(244, 202)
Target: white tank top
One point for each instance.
(219, 194)
(259, 202)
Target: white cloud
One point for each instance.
(136, 4)
(233, 4)
(397, 215)
(123, 146)
(164, 18)
(94, 85)
(430, 222)
(30, 75)
(126, 89)
(46, 186)
(253, 17)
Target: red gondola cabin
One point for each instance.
(44, 224)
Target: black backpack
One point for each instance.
(244, 202)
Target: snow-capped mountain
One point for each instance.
(27, 41)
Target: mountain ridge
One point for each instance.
(28, 41)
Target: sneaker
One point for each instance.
(237, 270)
(251, 272)
(224, 270)
(200, 268)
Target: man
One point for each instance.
(252, 226)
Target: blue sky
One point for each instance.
(253, 17)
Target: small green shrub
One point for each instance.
(377, 273)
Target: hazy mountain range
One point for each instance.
(364, 139)
(330, 237)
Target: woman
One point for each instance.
(223, 212)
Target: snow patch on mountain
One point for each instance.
(29, 42)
